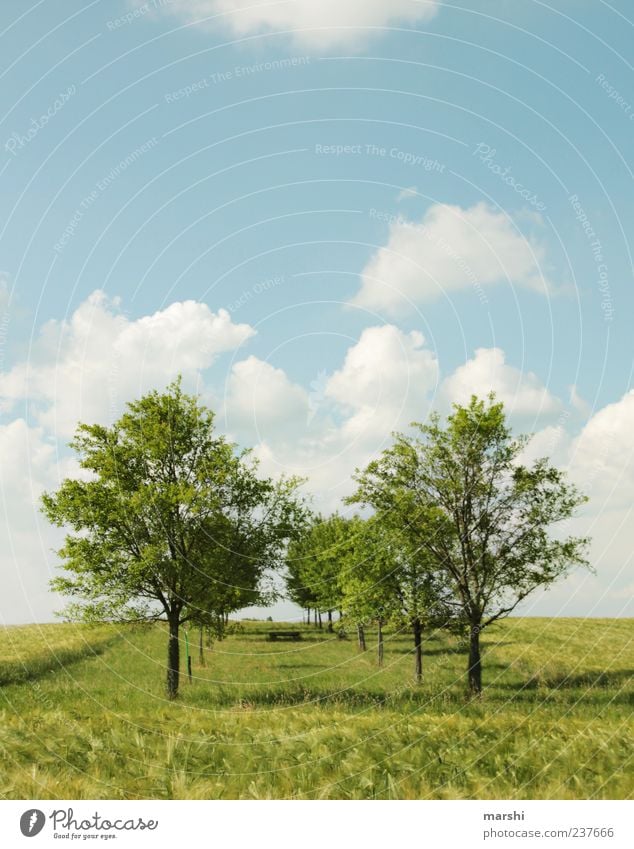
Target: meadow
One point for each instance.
(84, 715)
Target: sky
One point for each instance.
(331, 218)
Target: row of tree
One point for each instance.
(460, 534)
(172, 522)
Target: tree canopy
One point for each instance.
(168, 521)
(475, 514)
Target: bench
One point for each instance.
(284, 635)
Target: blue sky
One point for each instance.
(330, 218)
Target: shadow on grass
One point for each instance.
(585, 680)
(410, 698)
(445, 650)
(34, 668)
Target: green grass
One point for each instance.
(84, 716)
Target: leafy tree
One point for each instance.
(367, 585)
(483, 519)
(295, 578)
(394, 581)
(315, 560)
(169, 521)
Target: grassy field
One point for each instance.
(84, 716)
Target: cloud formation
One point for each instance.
(318, 24)
(451, 249)
(87, 367)
(522, 393)
(387, 378)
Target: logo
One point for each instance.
(32, 822)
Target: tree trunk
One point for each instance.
(308, 616)
(475, 664)
(380, 642)
(173, 657)
(418, 646)
(320, 622)
(361, 636)
(330, 628)
(201, 651)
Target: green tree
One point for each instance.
(392, 580)
(315, 561)
(461, 495)
(169, 521)
(296, 576)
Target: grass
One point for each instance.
(84, 716)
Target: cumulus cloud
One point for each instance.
(449, 250)
(28, 466)
(602, 456)
(320, 24)
(522, 393)
(86, 368)
(600, 460)
(386, 379)
(262, 402)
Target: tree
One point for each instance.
(314, 563)
(170, 522)
(461, 495)
(394, 581)
(296, 588)
(367, 585)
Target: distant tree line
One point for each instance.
(170, 522)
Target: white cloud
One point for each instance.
(86, 368)
(606, 590)
(27, 467)
(450, 250)
(386, 380)
(522, 393)
(600, 461)
(602, 456)
(320, 24)
(262, 402)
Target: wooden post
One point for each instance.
(189, 659)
